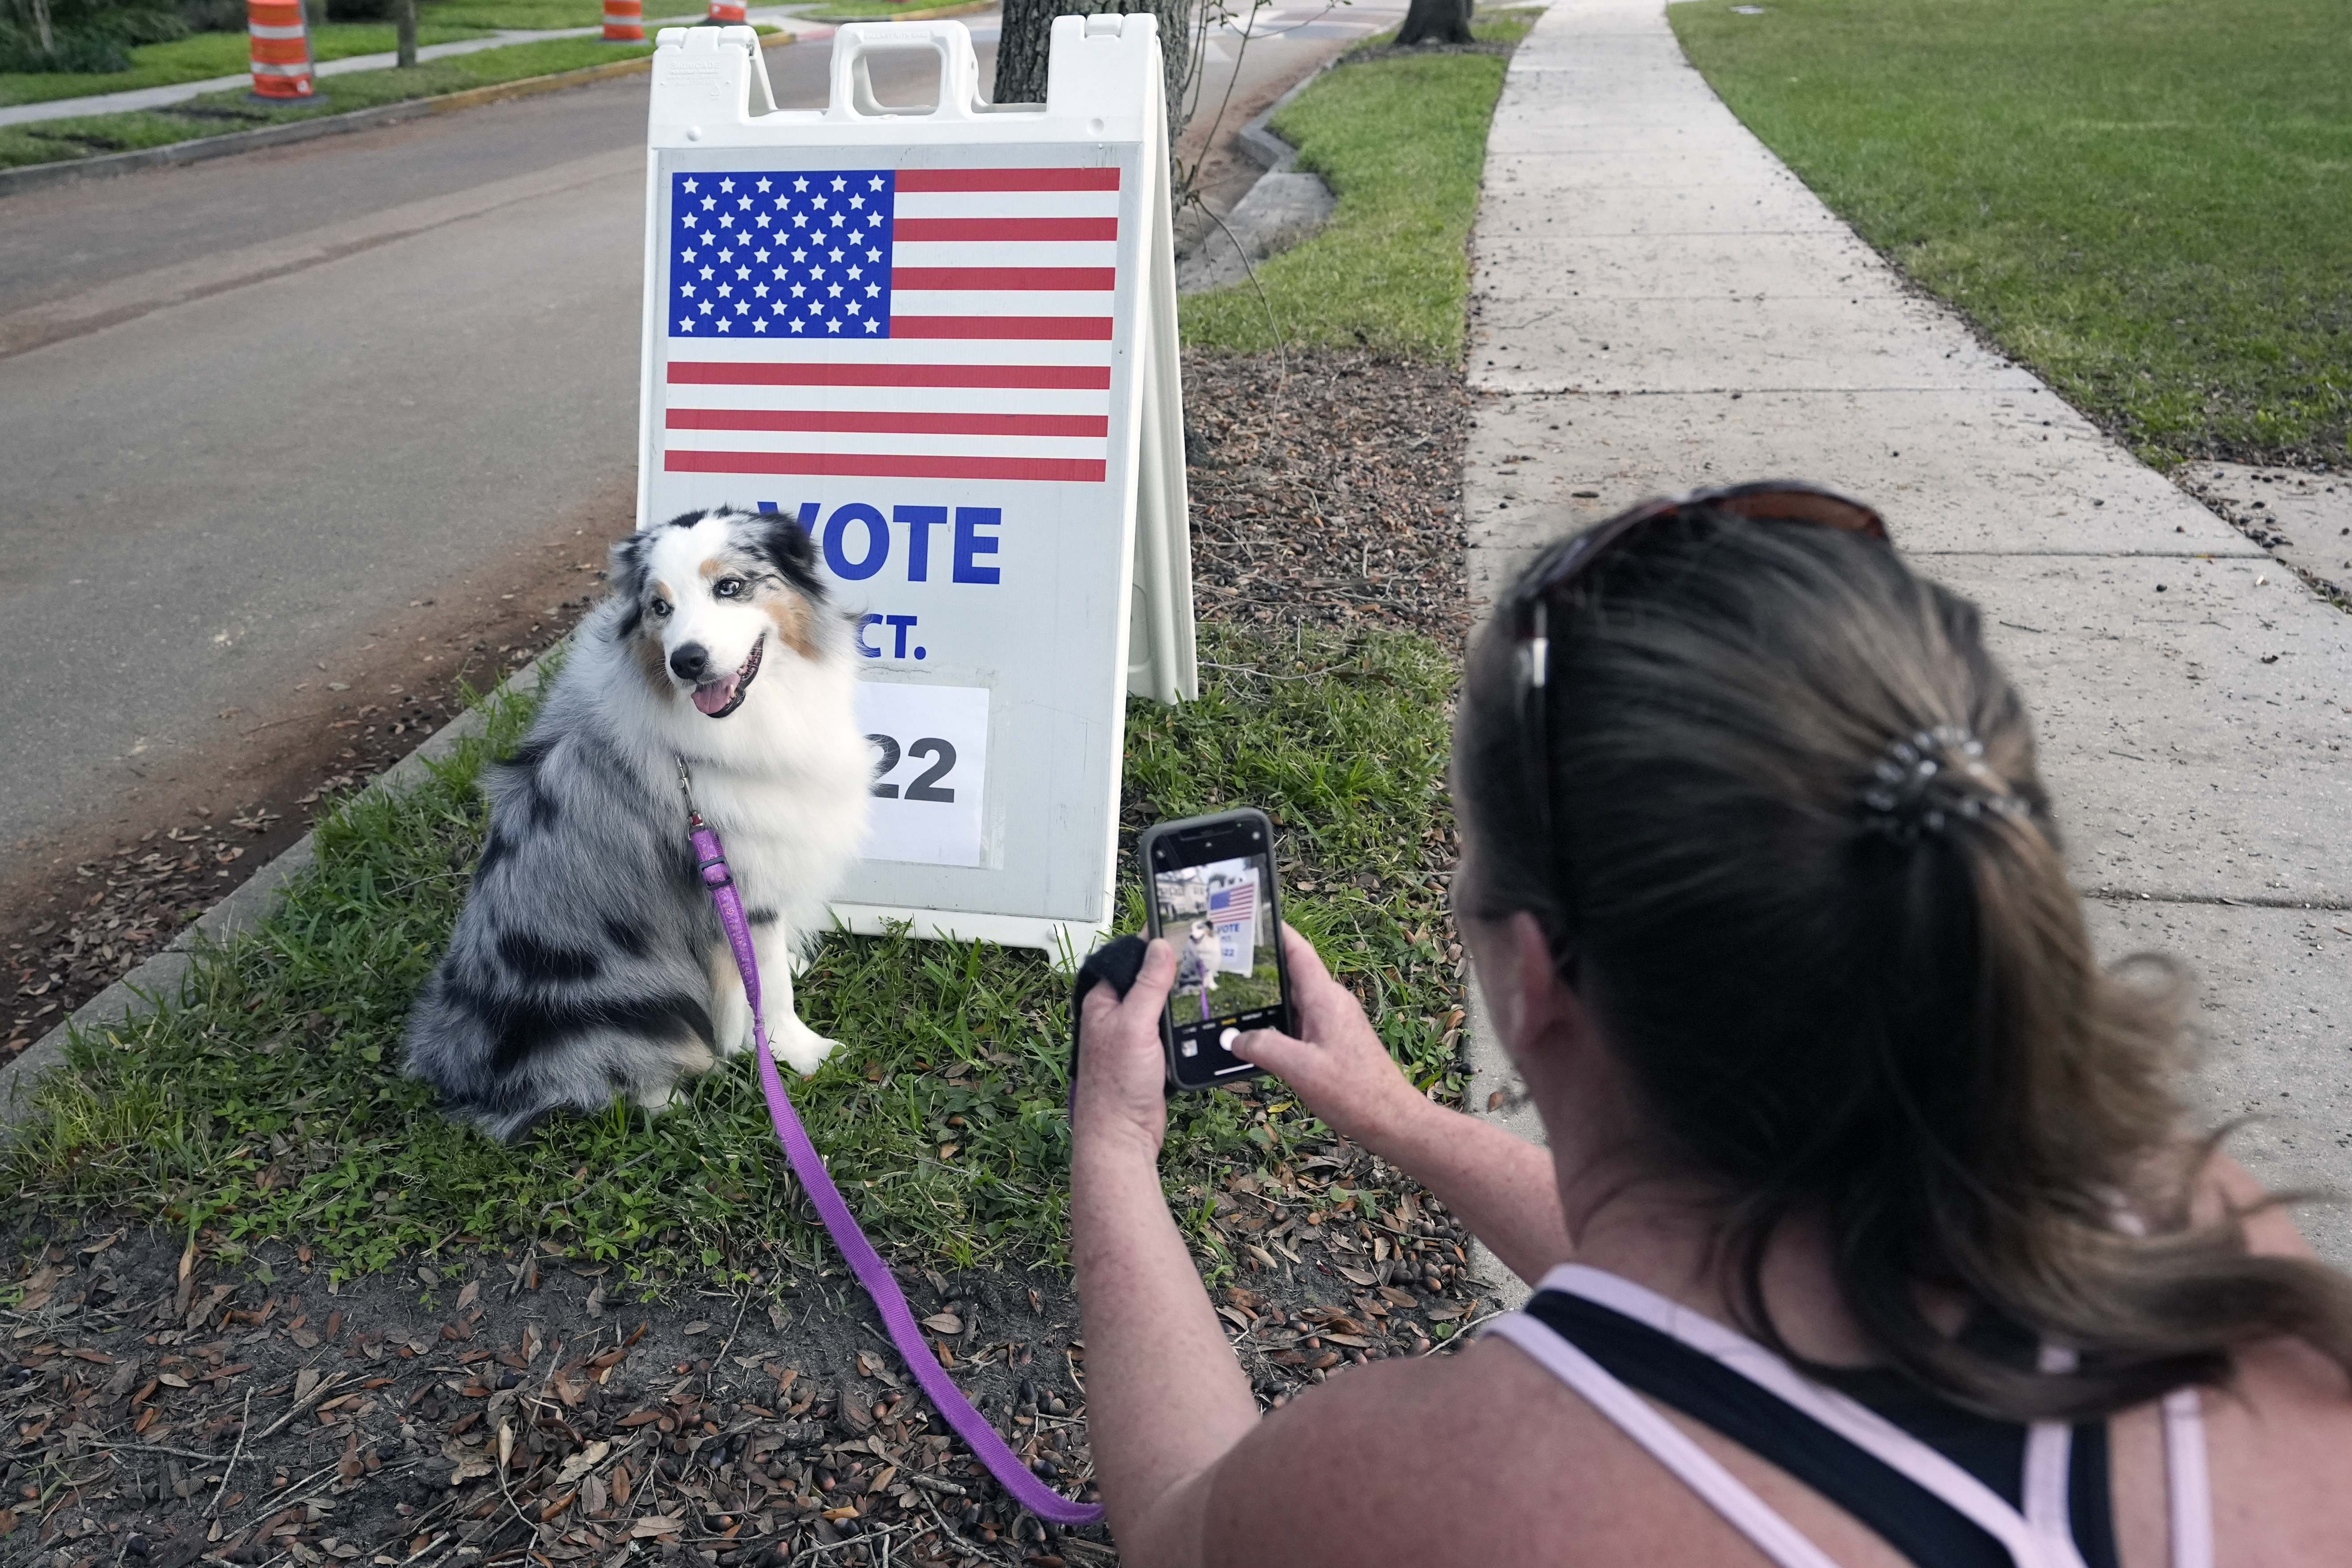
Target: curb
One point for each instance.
(158, 979)
(1263, 145)
(202, 148)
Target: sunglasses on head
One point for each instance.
(1770, 500)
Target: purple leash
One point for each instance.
(864, 1261)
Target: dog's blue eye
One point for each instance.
(729, 587)
(661, 609)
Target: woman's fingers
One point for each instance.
(1121, 1073)
(1147, 995)
(1336, 1062)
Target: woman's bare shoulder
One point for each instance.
(1479, 1457)
(1376, 1463)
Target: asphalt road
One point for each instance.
(291, 422)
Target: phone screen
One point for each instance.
(1221, 919)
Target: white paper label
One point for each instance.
(930, 755)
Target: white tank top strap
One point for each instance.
(1668, 1444)
(2039, 1537)
(2187, 1479)
(1851, 1420)
(2048, 1485)
(2189, 1484)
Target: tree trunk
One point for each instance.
(405, 13)
(1435, 22)
(1025, 35)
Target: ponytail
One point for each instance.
(1802, 853)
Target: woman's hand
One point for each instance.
(1122, 1074)
(1338, 1067)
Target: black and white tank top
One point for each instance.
(1944, 1488)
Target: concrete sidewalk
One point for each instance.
(1658, 303)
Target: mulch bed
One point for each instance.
(161, 1417)
(164, 1408)
(1327, 489)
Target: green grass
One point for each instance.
(268, 1103)
(211, 113)
(207, 54)
(546, 15)
(1401, 141)
(2149, 201)
(869, 10)
(862, 10)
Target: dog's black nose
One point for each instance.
(689, 661)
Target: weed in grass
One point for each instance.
(266, 1100)
(1401, 141)
(2145, 200)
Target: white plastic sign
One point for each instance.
(943, 342)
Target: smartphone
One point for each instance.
(1211, 891)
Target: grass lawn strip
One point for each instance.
(268, 1103)
(546, 15)
(50, 140)
(883, 10)
(207, 55)
(1401, 141)
(2145, 200)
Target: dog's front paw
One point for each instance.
(803, 1049)
(731, 1025)
(734, 1041)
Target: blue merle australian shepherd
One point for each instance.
(588, 963)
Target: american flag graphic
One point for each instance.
(921, 323)
(1230, 905)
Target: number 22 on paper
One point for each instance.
(931, 760)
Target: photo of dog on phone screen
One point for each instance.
(1196, 963)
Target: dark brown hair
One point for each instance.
(1892, 1021)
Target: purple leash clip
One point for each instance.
(872, 1272)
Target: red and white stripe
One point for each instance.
(998, 365)
(278, 43)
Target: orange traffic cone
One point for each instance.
(280, 49)
(727, 13)
(625, 21)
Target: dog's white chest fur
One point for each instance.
(588, 959)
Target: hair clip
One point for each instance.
(1920, 782)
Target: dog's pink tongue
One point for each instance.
(719, 694)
